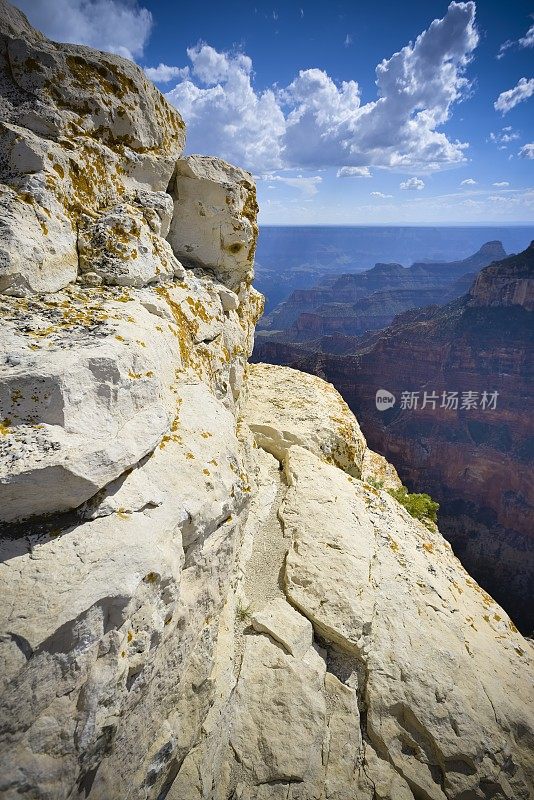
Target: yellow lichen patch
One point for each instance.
(119, 338)
(190, 456)
(206, 471)
(151, 577)
(198, 309)
(206, 434)
(172, 436)
(130, 636)
(428, 546)
(134, 375)
(4, 427)
(394, 546)
(123, 514)
(497, 617)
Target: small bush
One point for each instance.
(243, 613)
(420, 506)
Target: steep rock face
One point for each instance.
(474, 461)
(201, 598)
(397, 690)
(508, 283)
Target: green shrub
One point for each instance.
(420, 506)
(375, 483)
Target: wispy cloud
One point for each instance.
(525, 41)
(354, 172)
(527, 151)
(348, 40)
(501, 184)
(381, 195)
(503, 137)
(468, 182)
(512, 97)
(307, 185)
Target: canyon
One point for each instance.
(208, 591)
(475, 461)
(354, 303)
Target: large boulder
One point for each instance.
(214, 222)
(285, 407)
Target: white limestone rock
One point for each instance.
(287, 626)
(81, 131)
(379, 472)
(280, 713)
(90, 380)
(286, 407)
(123, 250)
(214, 221)
(445, 672)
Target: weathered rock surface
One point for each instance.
(289, 408)
(186, 615)
(214, 223)
(81, 132)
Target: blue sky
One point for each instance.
(345, 112)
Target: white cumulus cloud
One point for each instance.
(522, 91)
(354, 172)
(468, 182)
(315, 122)
(163, 73)
(527, 151)
(226, 116)
(118, 26)
(501, 184)
(380, 195)
(415, 184)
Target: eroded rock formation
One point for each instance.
(354, 303)
(203, 597)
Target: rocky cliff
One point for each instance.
(476, 460)
(204, 598)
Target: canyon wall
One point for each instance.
(205, 596)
